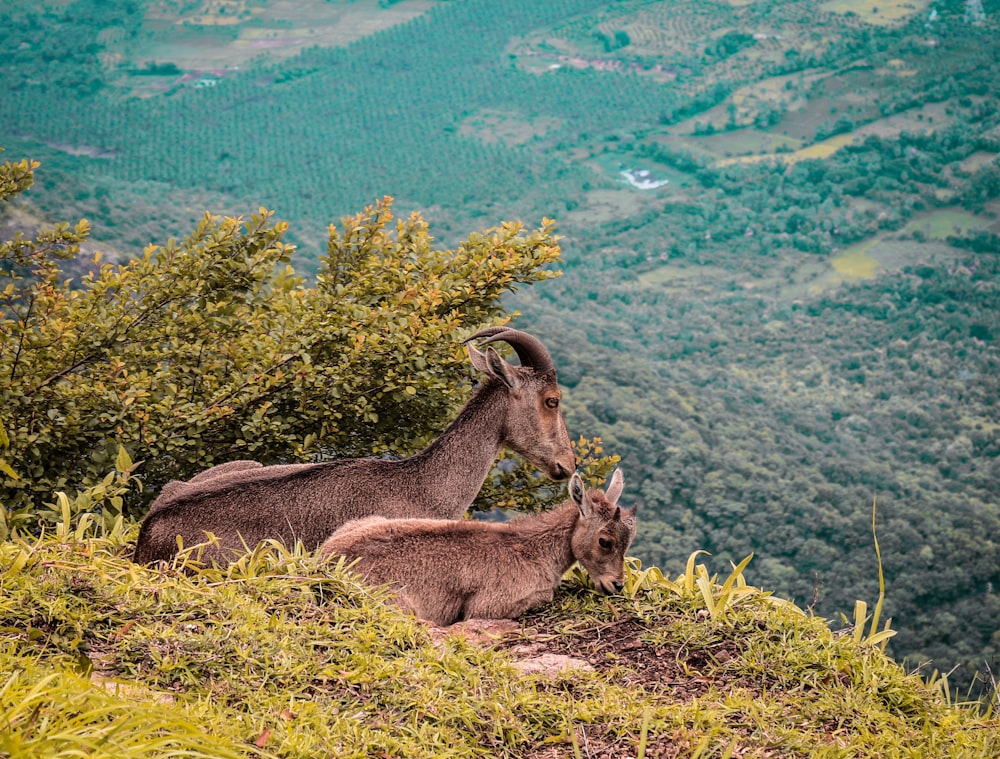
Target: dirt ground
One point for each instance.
(621, 648)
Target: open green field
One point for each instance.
(794, 279)
(878, 12)
(510, 128)
(788, 92)
(916, 120)
(738, 142)
(214, 38)
(672, 275)
(855, 262)
(807, 105)
(822, 149)
(879, 255)
(945, 222)
(613, 162)
(602, 206)
(789, 281)
(978, 160)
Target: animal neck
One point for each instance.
(455, 465)
(552, 532)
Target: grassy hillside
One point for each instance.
(281, 657)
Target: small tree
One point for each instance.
(211, 348)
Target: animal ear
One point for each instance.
(615, 486)
(477, 358)
(578, 493)
(499, 369)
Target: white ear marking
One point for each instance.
(578, 492)
(478, 359)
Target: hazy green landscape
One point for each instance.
(797, 318)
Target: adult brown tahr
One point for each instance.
(242, 503)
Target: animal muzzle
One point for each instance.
(560, 471)
(609, 587)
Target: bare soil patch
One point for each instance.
(625, 649)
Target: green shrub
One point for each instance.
(211, 348)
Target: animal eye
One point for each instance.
(605, 543)
(552, 402)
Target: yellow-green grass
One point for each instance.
(823, 149)
(855, 262)
(878, 12)
(817, 150)
(979, 423)
(945, 222)
(50, 710)
(282, 656)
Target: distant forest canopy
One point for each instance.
(798, 317)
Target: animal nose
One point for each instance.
(561, 472)
(618, 585)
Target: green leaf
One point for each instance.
(123, 462)
(6, 469)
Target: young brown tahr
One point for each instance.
(446, 571)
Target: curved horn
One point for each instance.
(529, 349)
(487, 332)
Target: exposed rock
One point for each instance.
(549, 665)
(529, 658)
